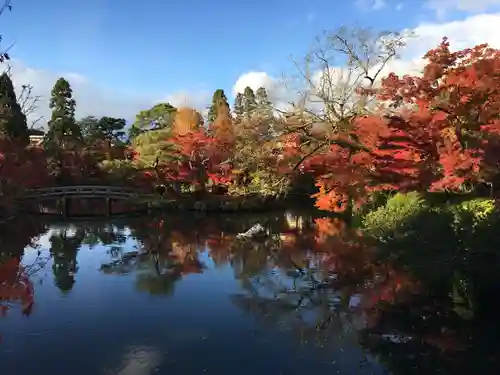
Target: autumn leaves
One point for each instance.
(441, 132)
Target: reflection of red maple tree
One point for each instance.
(15, 287)
(219, 247)
(343, 251)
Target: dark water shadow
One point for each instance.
(312, 286)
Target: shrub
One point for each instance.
(394, 215)
(469, 214)
(120, 170)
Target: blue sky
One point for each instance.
(152, 48)
(158, 45)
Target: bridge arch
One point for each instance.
(65, 194)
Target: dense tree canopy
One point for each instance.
(219, 100)
(186, 120)
(435, 132)
(106, 129)
(160, 116)
(63, 129)
(354, 137)
(438, 131)
(238, 105)
(249, 102)
(12, 119)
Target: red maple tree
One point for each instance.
(21, 167)
(437, 131)
(449, 125)
(198, 158)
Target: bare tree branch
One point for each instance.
(27, 100)
(7, 5)
(337, 79)
(29, 103)
(4, 55)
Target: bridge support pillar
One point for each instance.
(109, 205)
(66, 206)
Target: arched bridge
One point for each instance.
(66, 193)
(81, 191)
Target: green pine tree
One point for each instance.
(265, 112)
(160, 116)
(238, 105)
(63, 129)
(218, 99)
(264, 105)
(249, 101)
(111, 129)
(12, 119)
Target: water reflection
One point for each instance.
(312, 295)
(137, 361)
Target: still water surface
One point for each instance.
(182, 295)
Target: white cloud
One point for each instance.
(254, 80)
(475, 29)
(276, 90)
(371, 4)
(442, 6)
(198, 100)
(311, 17)
(90, 98)
(94, 100)
(378, 4)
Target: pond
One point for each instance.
(184, 295)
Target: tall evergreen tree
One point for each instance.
(63, 129)
(262, 98)
(238, 105)
(249, 101)
(219, 100)
(266, 113)
(12, 119)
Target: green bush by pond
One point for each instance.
(452, 248)
(394, 214)
(403, 212)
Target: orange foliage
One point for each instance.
(186, 120)
(440, 131)
(328, 227)
(454, 127)
(222, 129)
(198, 159)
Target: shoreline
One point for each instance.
(207, 203)
(216, 203)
